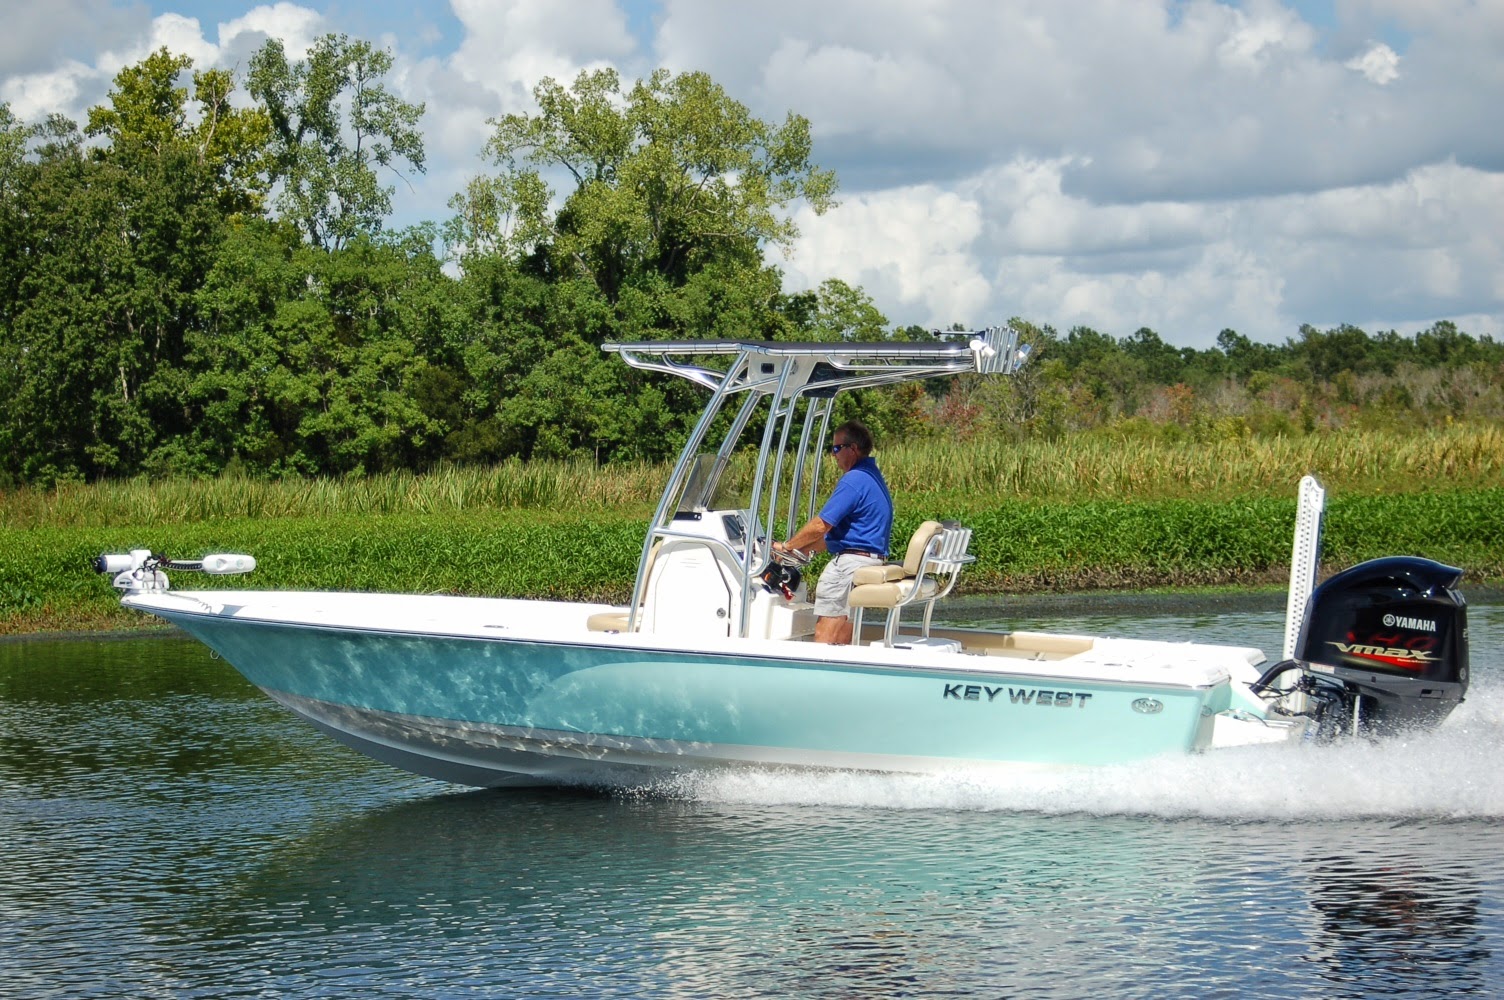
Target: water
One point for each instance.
(169, 832)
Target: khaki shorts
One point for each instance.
(833, 592)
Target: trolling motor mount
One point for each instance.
(141, 571)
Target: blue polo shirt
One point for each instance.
(859, 511)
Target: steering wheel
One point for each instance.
(797, 558)
(763, 556)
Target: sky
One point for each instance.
(1184, 165)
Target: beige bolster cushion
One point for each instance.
(607, 621)
(886, 573)
(887, 595)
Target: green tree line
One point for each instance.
(200, 278)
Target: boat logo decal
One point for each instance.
(1409, 659)
(1400, 621)
(1017, 696)
(1148, 706)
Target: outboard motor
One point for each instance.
(1392, 633)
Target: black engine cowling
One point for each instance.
(1393, 632)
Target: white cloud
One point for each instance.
(1012, 242)
(1194, 100)
(40, 36)
(1261, 34)
(177, 34)
(908, 247)
(1188, 166)
(507, 48)
(1032, 213)
(1424, 247)
(73, 86)
(297, 26)
(510, 45)
(887, 92)
(32, 96)
(1380, 64)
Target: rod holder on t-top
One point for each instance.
(141, 571)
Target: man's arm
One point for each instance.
(810, 538)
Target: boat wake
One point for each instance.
(1447, 773)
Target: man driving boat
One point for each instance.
(854, 526)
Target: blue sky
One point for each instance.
(1186, 165)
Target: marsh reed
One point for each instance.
(1098, 467)
(980, 471)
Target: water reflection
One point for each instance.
(716, 900)
(1397, 916)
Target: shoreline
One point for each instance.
(1046, 553)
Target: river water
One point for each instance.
(169, 832)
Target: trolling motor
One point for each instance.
(141, 572)
(1382, 648)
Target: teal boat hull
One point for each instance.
(502, 711)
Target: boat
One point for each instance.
(712, 664)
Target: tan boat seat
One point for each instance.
(932, 563)
(608, 621)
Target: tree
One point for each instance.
(1325, 353)
(73, 402)
(333, 123)
(14, 135)
(318, 361)
(147, 112)
(498, 215)
(1083, 344)
(675, 192)
(103, 267)
(846, 313)
(1162, 363)
(152, 321)
(149, 118)
(669, 179)
(1245, 356)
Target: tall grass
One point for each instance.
(510, 485)
(971, 473)
(1099, 467)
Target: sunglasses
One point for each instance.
(835, 449)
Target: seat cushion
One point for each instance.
(889, 595)
(886, 573)
(607, 621)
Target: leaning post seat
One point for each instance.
(931, 565)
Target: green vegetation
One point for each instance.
(934, 473)
(1029, 546)
(1084, 513)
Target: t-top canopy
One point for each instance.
(829, 365)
